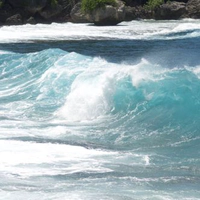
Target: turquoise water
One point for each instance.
(99, 117)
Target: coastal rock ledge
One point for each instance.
(104, 16)
(171, 11)
(17, 12)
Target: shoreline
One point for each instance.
(171, 10)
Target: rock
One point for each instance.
(138, 12)
(32, 6)
(134, 3)
(49, 13)
(31, 20)
(5, 13)
(77, 16)
(14, 20)
(130, 13)
(193, 8)
(108, 15)
(170, 10)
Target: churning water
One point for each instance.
(109, 113)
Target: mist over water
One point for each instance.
(100, 113)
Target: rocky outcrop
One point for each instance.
(31, 20)
(103, 16)
(32, 6)
(14, 20)
(77, 16)
(59, 12)
(134, 3)
(49, 12)
(193, 8)
(14, 12)
(170, 10)
(108, 15)
(138, 12)
(130, 13)
(5, 13)
(36, 11)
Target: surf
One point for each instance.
(86, 114)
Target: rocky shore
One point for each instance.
(17, 12)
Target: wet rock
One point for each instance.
(138, 12)
(170, 10)
(108, 15)
(77, 16)
(31, 6)
(49, 12)
(193, 8)
(6, 11)
(30, 20)
(14, 20)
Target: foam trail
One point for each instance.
(145, 29)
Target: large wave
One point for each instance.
(130, 103)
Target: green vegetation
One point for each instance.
(1, 3)
(54, 3)
(152, 4)
(90, 5)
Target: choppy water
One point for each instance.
(100, 112)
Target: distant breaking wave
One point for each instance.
(144, 30)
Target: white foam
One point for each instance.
(146, 71)
(62, 70)
(4, 52)
(145, 29)
(146, 159)
(90, 95)
(194, 70)
(27, 159)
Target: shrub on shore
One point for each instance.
(54, 3)
(90, 5)
(1, 3)
(152, 4)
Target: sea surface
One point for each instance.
(100, 113)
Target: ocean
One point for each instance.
(105, 113)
